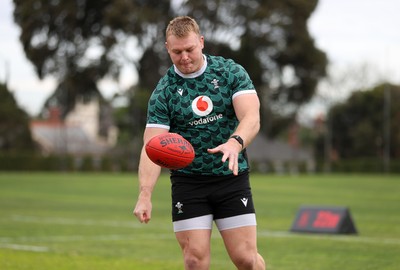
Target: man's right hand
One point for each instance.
(143, 209)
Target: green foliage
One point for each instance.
(362, 165)
(85, 221)
(33, 162)
(81, 42)
(14, 125)
(29, 162)
(358, 123)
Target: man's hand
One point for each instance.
(230, 150)
(143, 209)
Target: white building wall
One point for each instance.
(86, 115)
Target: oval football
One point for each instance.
(170, 150)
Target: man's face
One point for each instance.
(187, 52)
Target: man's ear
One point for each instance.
(202, 42)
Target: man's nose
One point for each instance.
(185, 55)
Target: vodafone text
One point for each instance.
(206, 120)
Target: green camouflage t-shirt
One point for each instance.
(199, 107)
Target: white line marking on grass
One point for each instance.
(78, 238)
(342, 238)
(87, 222)
(24, 247)
(70, 221)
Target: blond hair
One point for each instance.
(181, 26)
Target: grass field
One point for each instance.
(84, 222)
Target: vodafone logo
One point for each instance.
(202, 105)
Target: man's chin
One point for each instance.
(186, 69)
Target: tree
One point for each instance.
(83, 41)
(80, 42)
(15, 135)
(334, 89)
(359, 123)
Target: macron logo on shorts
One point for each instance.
(244, 201)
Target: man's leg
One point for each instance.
(241, 244)
(195, 245)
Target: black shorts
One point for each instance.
(205, 198)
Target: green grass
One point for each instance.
(84, 221)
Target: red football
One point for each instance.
(170, 150)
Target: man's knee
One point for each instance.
(249, 261)
(192, 262)
(196, 259)
(245, 261)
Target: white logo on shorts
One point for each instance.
(244, 201)
(179, 206)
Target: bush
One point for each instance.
(32, 162)
(372, 165)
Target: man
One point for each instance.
(211, 102)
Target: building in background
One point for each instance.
(78, 135)
(279, 157)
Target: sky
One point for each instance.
(353, 33)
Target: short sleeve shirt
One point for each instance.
(200, 109)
